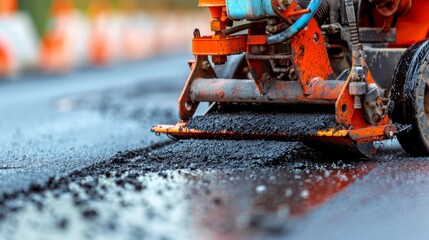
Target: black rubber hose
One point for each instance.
(240, 28)
(236, 29)
(322, 14)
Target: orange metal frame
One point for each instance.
(361, 136)
(310, 58)
(412, 24)
(209, 46)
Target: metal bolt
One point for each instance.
(188, 106)
(266, 77)
(316, 37)
(292, 74)
(356, 54)
(205, 65)
(284, 4)
(376, 118)
(271, 21)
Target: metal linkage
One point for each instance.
(354, 33)
(299, 25)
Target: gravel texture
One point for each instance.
(246, 122)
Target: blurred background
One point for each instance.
(61, 36)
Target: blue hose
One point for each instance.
(296, 27)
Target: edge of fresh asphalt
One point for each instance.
(17, 103)
(120, 156)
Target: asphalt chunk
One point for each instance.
(90, 214)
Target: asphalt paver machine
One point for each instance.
(334, 74)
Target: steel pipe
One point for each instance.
(245, 91)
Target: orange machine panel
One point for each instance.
(224, 46)
(414, 26)
(211, 3)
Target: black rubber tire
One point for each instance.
(410, 95)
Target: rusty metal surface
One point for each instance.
(364, 135)
(305, 55)
(357, 142)
(200, 68)
(260, 70)
(245, 91)
(310, 57)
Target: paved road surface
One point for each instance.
(52, 126)
(56, 124)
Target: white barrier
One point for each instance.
(65, 45)
(74, 41)
(18, 44)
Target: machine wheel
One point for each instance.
(410, 98)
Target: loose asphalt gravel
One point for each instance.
(78, 162)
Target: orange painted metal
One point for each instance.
(363, 135)
(257, 40)
(297, 13)
(283, 92)
(345, 111)
(359, 136)
(310, 57)
(211, 3)
(260, 70)
(289, 13)
(311, 62)
(222, 46)
(412, 23)
(414, 26)
(216, 12)
(200, 68)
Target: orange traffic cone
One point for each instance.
(105, 32)
(18, 44)
(6, 58)
(137, 43)
(8, 7)
(63, 47)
